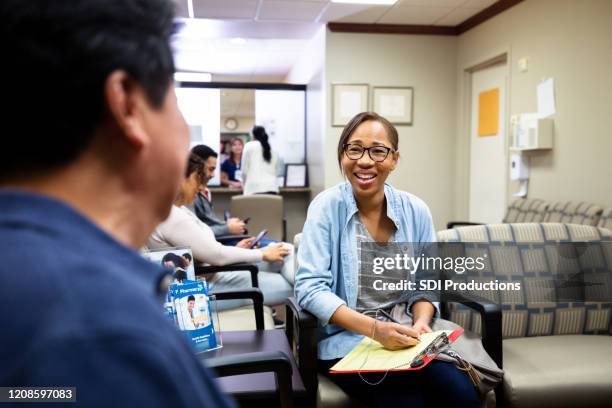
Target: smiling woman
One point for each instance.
(331, 284)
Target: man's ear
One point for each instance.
(125, 100)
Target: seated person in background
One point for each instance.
(100, 154)
(331, 284)
(231, 165)
(183, 228)
(202, 205)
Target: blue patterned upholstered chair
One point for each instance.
(557, 348)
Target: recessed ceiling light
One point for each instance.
(372, 2)
(238, 41)
(192, 77)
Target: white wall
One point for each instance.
(426, 63)
(571, 41)
(310, 70)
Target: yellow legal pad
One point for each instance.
(370, 355)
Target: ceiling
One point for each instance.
(277, 31)
(420, 12)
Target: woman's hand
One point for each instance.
(245, 242)
(235, 226)
(394, 336)
(422, 326)
(274, 252)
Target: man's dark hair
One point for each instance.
(190, 298)
(187, 255)
(60, 54)
(203, 152)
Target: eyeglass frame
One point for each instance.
(389, 150)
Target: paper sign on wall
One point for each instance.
(488, 113)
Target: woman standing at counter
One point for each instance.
(260, 165)
(231, 165)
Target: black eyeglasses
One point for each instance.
(376, 153)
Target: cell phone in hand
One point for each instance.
(257, 239)
(227, 215)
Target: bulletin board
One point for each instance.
(488, 113)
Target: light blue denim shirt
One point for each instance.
(327, 276)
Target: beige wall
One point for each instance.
(427, 63)
(571, 41)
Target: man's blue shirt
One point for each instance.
(80, 309)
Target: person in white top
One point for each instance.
(183, 228)
(260, 165)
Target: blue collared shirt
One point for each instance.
(80, 309)
(327, 276)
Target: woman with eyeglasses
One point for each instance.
(331, 284)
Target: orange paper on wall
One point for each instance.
(488, 112)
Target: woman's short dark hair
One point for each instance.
(357, 120)
(195, 164)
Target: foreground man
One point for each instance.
(100, 149)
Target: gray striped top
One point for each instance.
(367, 297)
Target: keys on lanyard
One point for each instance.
(465, 366)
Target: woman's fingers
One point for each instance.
(407, 331)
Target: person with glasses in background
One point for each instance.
(332, 284)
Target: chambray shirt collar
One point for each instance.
(390, 196)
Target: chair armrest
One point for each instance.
(248, 293)
(204, 270)
(301, 331)
(258, 362)
(453, 224)
(230, 237)
(491, 317)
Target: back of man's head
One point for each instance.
(59, 55)
(203, 152)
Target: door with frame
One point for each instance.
(488, 172)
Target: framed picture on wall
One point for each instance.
(296, 175)
(394, 103)
(347, 101)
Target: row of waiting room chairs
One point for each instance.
(567, 212)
